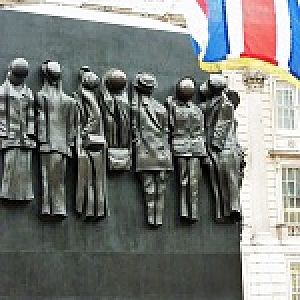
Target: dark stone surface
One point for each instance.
(118, 257)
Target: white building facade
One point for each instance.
(269, 130)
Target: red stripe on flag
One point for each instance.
(259, 30)
(203, 5)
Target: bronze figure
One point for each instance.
(57, 125)
(153, 157)
(116, 109)
(226, 155)
(186, 121)
(17, 134)
(91, 196)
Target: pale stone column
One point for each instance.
(257, 168)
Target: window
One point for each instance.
(286, 99)
(291, 199)
(295, 280)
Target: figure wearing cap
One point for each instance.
(17, 140)
(153, 157)
(57, 129)
(91, 196)
(116, 109)
(227, 159)
(186, 121)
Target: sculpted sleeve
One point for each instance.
(30, 115)
(3, 121)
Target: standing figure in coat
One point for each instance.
(91, 196)
(186, 121)
(152, 151)
(116, 109)
(57, 124)
(17, 140)
(226, 155)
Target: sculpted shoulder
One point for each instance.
(29, 92)
(69, 99)
(2, 89)
(158, 106)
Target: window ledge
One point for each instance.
(285, 133)
(284, 153)
(288, 234)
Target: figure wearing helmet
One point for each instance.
(17, 139)
(186, 121)
(116, 110)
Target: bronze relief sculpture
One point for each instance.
(17, 134)
(91, 196)
(152, 153)
(114, 126)
(56, 126)
(116, 108)
(188, 141)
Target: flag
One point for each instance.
(253, 34)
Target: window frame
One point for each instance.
(290, 261)
(285, 131)
(289, 208)
(280, 165)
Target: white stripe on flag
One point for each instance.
(197, 23)
(283, 36)
(235, 26)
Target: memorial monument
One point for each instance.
(138, 169)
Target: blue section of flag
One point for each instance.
(196, 47)
(294, 62)
(218, 42)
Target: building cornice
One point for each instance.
(284, 153)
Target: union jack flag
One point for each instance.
(259, 34)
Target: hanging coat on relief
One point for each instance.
(91, 196)
(153, 157)
(57, 125)
(227, 155)
(116, 111)
(16, 141)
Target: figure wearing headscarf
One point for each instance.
(186, 121)
(57, 125)
(91, 196)
(227, 156)
(153, 157)
(116, 109)
(17, 140)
